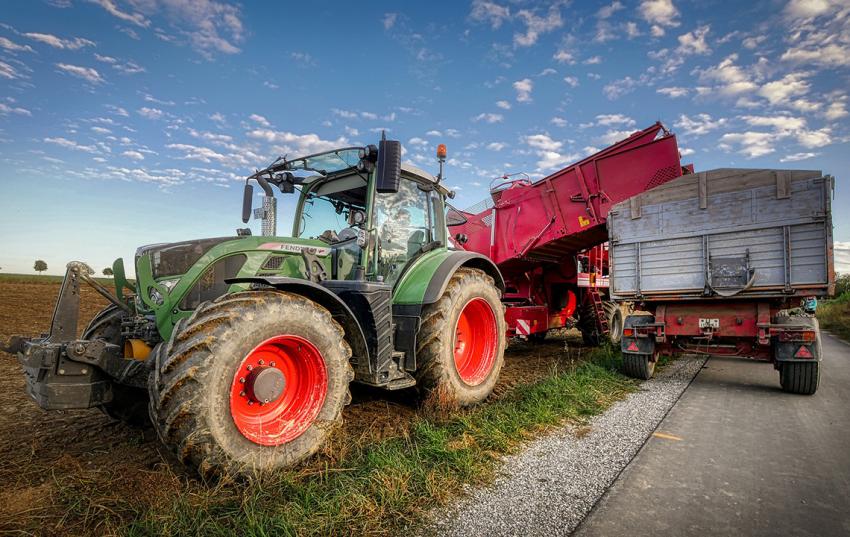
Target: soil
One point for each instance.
(80, 473)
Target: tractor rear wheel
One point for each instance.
(129, 404)
(461, 343)
(250, 382)
(590, 329)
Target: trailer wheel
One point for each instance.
(590, 330)
(638, 366)
(801, 377)
(461, 343)
(251, 382)
(129, 405)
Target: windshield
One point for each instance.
(325, 163)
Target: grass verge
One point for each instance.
(834, 315)
(384, 486)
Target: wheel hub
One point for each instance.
(475, 341)
(265, 385)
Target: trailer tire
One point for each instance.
(221, 426)
(458, 365)
(638, 366)
(799, 377)
(129, 405)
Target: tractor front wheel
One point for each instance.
(251, 382)
(461, 343)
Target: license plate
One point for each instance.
(709, 323)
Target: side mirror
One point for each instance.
(388, 173)
(247, 200)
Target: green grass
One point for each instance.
(834, 315)
(382, 486)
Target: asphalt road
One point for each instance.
(737, 456)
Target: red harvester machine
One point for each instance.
(548, 237)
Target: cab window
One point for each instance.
(404, 224)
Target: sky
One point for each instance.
(129, 122)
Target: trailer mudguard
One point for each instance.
(638, 343)
(789, 343)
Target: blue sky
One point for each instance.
(127, 122)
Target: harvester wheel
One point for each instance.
(250, 382)
(590, 330)
(461, 343)
(638, 366)
(129, 404)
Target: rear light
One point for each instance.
(808, 335)
(797, 335)
(628, 332)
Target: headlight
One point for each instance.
(155, 296)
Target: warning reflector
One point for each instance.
(803, 352)
(633, 346)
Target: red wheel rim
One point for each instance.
(278, 390)
(476, 337)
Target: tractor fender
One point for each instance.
(322, 296)
(453, 261)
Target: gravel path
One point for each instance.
(549, 487)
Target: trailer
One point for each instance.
(726, 262)
(548, 237)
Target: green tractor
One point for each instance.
(240, 350)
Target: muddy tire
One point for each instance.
(461, 342)
(589, 329)
(638, 366)
(250, 382)
(129, 405)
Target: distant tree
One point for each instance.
(842, 284)
(107, 271)
(39, 266)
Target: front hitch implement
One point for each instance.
(63, 372)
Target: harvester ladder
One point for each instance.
(599, 310)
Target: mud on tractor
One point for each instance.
(240, 349)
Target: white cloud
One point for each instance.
(813, 139)
(614, 136)
(150, 113)
(435, 133)
(753, 42)
(564, 56)
(659, 13)
(496, 146)
(193, 152)
(605, 12)
(779, 92)
(136, 18)
(673, 92)
(135, 155)
(256, 118)
(614, 119)
(488, 118)
(523, 88)
(5, 109)
(798, 156)
(535, 25)
(389, 20)
(807, 9)
(559, 121)
(699, 124)
(549, 152)
(780, 123)
(7, 71)
(101, 130)
(694, 42)
(490, 12)
(126, 67)
(732, 80)
(618, 88)
(74, 43)
(750, 144)
(543, 142)
(841, 250)
(416, 141)
(593, 60)
(685, 151)
(571, 81)
(218, 117)
(71, 144)
(836, 110)
(11, 46)
(87, 73)
(504, 105)
(300, 144)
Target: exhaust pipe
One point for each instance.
(269, 227)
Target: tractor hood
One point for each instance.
(175, 258)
